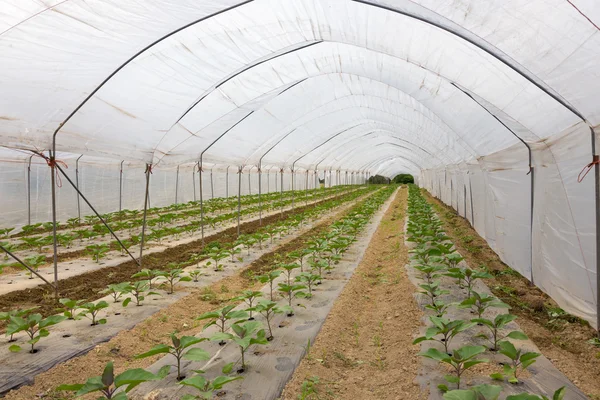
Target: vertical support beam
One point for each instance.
(259, 194)
(306, 190)
(121, 186)
(200, 168)
(249, 182)
(293, 194)
(194, 181)
(227, 182)
(212, 187)
(596, 161)
(281, 197)
(269, 180)
(54, 239)
(146, 201)
(77, 186)
(29, 191)
(176, 184)
(239, 209)
(532, 173)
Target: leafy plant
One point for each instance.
(216, 256)
(6, 232)
(495, 326)
(34, 326)
(466, 277)
(8, 246)
(91, 311)
(139, 291)
(245, 335)
(5, 316)
(97, 251)
(439, 307)
(558, 395)
(116, 290)
(108, 384)
(178, 350)
(269, 278)
(480, 302)
(268, 309)
(148, 274)
(220, 317)
(196, 274)
(429, 272)
(518, 358)
(461, 360)
(445, 328)
(432, 291)
(34, 263)
(288, 270)
(173, 277)
(291, 292)
(70, 307)
(207, 387)
(249, 297)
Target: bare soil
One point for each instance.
(562, 340)
(177, 317)
(365, 350)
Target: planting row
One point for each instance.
(82, 240)
(435, 257)
(311, 263)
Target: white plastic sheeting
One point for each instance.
(468, 96)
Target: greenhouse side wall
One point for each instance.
(556, 248)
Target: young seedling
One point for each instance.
(446, 328)
(268, 309)
(479, 302)
(220, 317)
(481, 392)
(97, 251)
(495, 326)
(34, 326)
(8, 246)
(466, 277)
(34, 263)
(519, 360)
(116, 290)
(178, 350)
(429, 272)
(269, 278)
(108, 384)
(196, 274)
(249, 297)
(432, 291)
(148, 274)
(439, 307)
(245, 335)
(139, 291)
(288, 270)
(6, 232)
(91, 311)
(233, 251)
(173, 277)
(309, 280)
(291, 292)
(5, 316)
(461, 360)
(216, 256)
(319, 265)
(70, 307)
(207, 387)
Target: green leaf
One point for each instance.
(508, 349)
(560, 393)
(126, 301)
(187, 341)
(497, 376)
(227, 368)
(452, 378)
(108, 376)
(221, 381)
(518, 335)
(468, 352)
(435, 354)
(461, 395)
(158, 349)
(14, 348)
(197, 355)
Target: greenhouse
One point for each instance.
(300, 199)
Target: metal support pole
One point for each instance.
(596, 161)
(94, 211)
(281, 197)
(194, 181)
(239, 199)
(54, 239)
(201, 199)
(293, 194)
(146, 200)
(121, 186)
(306, 190)
(176, 184)
(227, 182)
(259, 195)
(249, 182)
(29, 191)
(532, 173)
(269, 180)
(212, 187)
(17, 259)
(77, 186)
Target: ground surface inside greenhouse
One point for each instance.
(563, 339)
(365, 350)
(177, 316)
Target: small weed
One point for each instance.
(224, 289)
(467, 239)
(209, 295)
(309, 389)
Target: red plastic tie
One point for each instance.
(148, 169)
(52, 163)
(587, 169)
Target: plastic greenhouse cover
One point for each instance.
(467, 96)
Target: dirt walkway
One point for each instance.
(365, 350)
